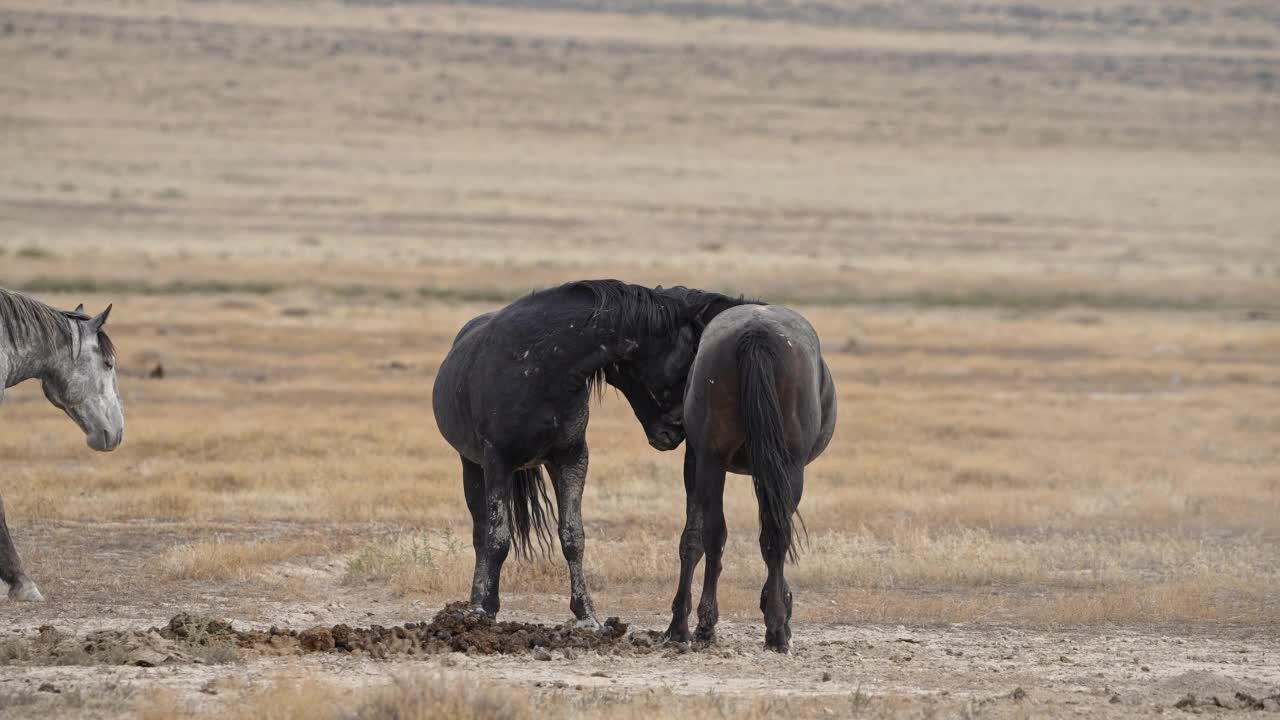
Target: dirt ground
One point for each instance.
(101, 655)
(1040, 244)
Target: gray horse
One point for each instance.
(75, 362)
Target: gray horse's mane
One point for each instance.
(26, 319)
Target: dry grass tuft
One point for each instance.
(233, 560)
(459, 697)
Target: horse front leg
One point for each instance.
(21, 587)
(710, 484)
(690, 551)
(569, 478)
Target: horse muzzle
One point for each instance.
(666, 439)
(104, 440)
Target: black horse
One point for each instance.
(759, 402)
(513, 395)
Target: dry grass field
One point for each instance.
(1041, 243)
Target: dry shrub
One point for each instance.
(422, 561)
(230, 560)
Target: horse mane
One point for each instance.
(632, 309)
(26, 319)
(640, 311)
(707, 304)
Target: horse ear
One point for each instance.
(79, 308)
(96, 324)
(700, 319)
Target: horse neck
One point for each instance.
(27, 358)
(595, 348)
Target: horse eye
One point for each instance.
(110, 364)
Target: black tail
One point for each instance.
(767, 454)
(530, 513)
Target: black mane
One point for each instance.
(632, 309)
(648, 312)
(706, 304)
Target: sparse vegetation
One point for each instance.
(35, 252)
(223, 560)
(12, 650)
(460, 698)
(71, 285)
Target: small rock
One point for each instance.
(600, 673)
(1187, 701)
(1115, 700)
(49, 688)
(826, 677)
(1144, 668)
(541, 654)
(1018, 694)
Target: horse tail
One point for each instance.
(768, 458)
(531, 513)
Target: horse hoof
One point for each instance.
(675, 636)
(705, 635)
(781, 649)
(588, 623)
(25, 591)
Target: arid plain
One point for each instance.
(1041, 245)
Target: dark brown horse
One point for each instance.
(759, 401)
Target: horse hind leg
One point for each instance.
(21, 587)
(568, 478)
(775, 596)
(691, 552)
(488, 491)
(710, 484)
